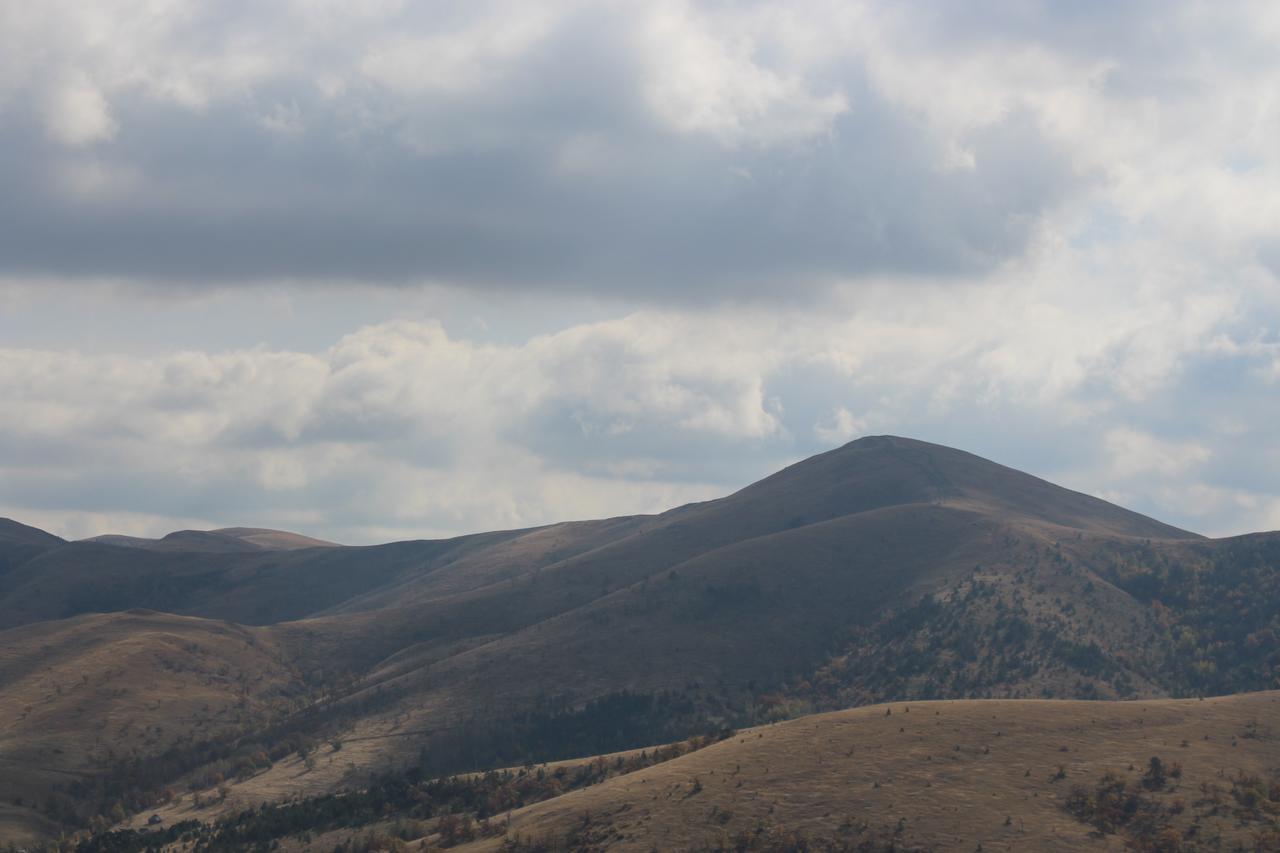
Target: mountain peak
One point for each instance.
(879, 471)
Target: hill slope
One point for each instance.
(952, 775)
(85, 702)
(938, 776)
(15, 533)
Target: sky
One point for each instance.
(387, 270)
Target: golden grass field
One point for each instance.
(958, 773)
(82, 693)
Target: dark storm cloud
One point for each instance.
(557, 174)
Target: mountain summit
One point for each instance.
(887, 470)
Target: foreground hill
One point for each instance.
(888, 569)
(946, 775)
(86, 701)
(959, 775)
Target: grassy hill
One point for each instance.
(948, 775)
(87, 702)
(1172, 775)
(888, 569)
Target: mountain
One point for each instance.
(886, 570)
(16, 533)
(885, 471)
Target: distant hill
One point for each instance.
(224, 540)
(885, 570)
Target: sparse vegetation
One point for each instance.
(457, 808)
(1153, 822)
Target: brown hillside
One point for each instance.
(953, 774)
(81, 695)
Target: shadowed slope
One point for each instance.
(231, 574)
(748, 587)
(888, 470)
(16, 533)
(20, 543)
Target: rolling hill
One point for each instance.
(951, 775)
(886, 570)
(223, 540)
(942, 775)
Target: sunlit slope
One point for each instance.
(79, 696)
(953, 775)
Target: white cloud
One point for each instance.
(416, 428)
(76, 112)
(401, 428)
(700, 78)
(454, 62)
(1133, 452)
(842, 427)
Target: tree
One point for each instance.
(1155, 777)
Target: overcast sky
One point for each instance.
(385, 270)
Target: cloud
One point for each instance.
(1133, 452)
(669, 151)
(842, 427)
(700, 81)
(402, 428)
(76, 113)
(393, 424)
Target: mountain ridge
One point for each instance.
(886, 569)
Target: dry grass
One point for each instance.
(80, 694)
(957, 773)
